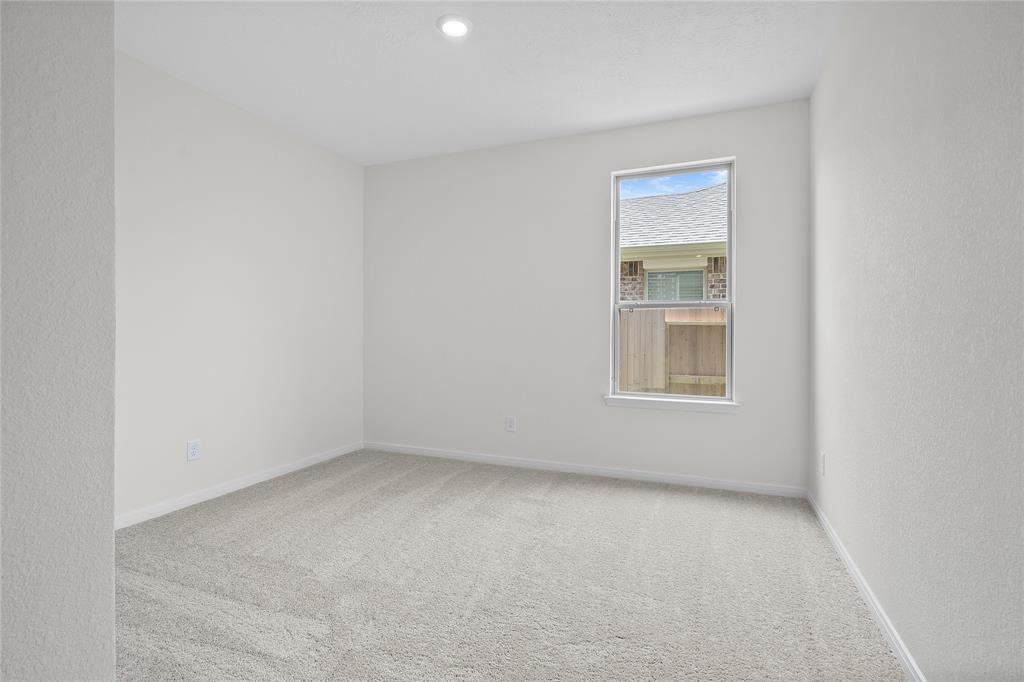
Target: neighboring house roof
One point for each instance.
(689, 218)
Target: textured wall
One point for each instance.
(443, 370)
(58, 341)
(239, 285)
(918, 142)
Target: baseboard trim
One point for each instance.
(910, 666)
(591, 470)
(168, 506)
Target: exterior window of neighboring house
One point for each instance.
(673, 310)
(681, 285)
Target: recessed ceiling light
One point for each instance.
(453, 26)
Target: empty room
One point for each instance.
(512, 341)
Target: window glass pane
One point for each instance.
(680, 351)
(675, 286)
(669, 225)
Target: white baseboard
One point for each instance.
(168, 506)
(591, 470)
(914, 673)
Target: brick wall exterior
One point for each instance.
(631, 280)
(715, 278)
(632, 273)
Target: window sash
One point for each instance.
(626, 305)
(658, 305)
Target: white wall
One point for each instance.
(239, 283)
(57, 380)
(487, 294)
(918, 324)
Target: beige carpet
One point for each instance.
(391, 567)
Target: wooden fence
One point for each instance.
(680, 351)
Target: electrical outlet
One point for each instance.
(821, 463)
(192, 451)
(511, 424)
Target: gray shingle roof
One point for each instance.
(689, 218)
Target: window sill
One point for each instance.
(681, 404)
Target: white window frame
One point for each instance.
(617, 398)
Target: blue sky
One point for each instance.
(670, 184)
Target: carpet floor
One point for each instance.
(392, 567)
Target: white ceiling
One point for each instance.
(378, 82)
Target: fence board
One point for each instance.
(642, 351)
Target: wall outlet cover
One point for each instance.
(192, 451)
(511, 424)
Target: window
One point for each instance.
(684, 285)
(672, 312)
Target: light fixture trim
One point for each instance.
(454, 25)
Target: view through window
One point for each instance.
(673, 309)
